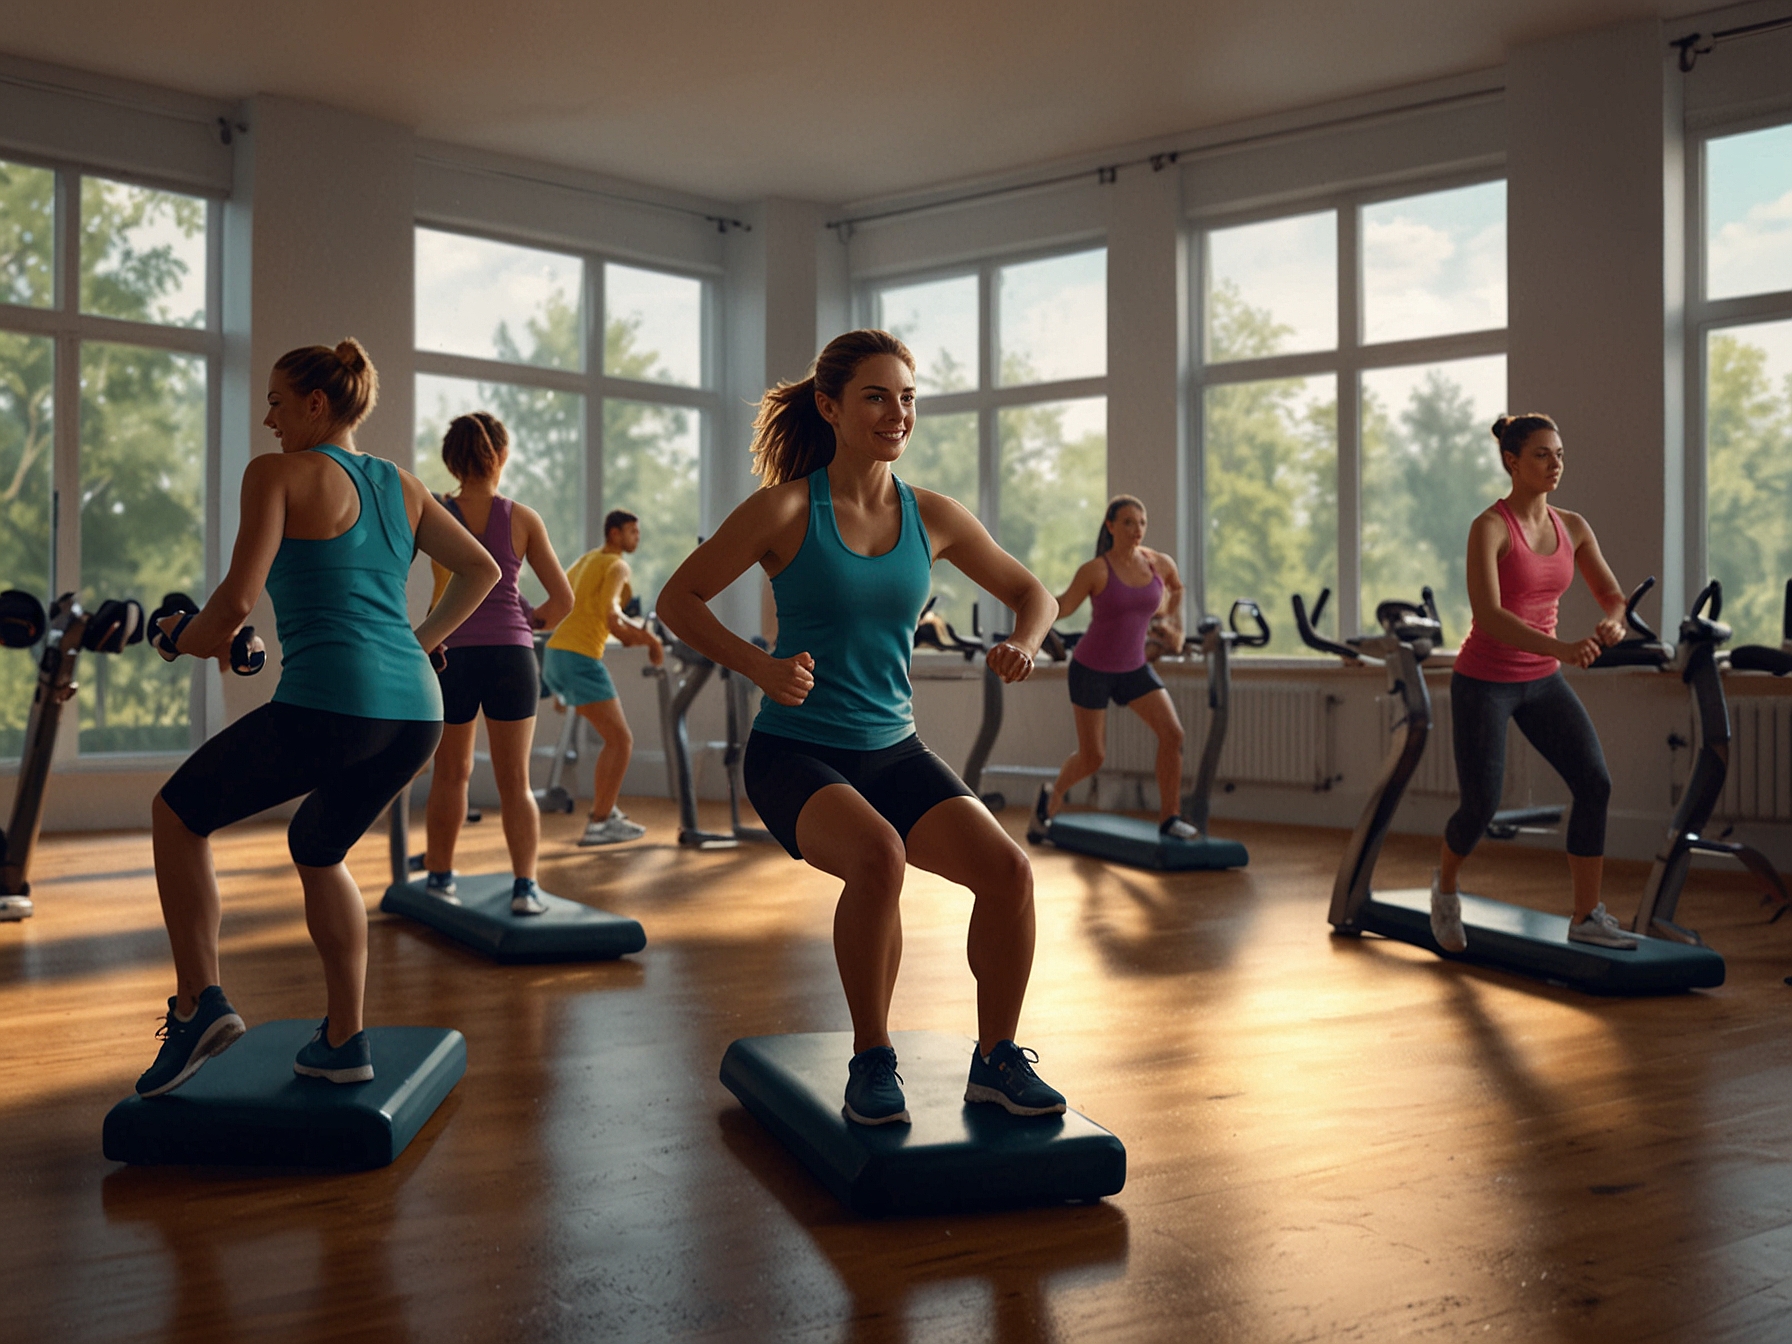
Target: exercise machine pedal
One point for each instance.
(246, 1107)
(479, 917)
(954, 1157)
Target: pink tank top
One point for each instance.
(1531, 586)
(1119, 618)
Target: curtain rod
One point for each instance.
(1695, 45)
(723, 223)
(1107, 174)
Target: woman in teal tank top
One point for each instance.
(833, 765)
(330, 533)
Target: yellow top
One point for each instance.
(596, 584)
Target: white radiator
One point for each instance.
(1280, 733)
(1436, 775)
(1758, 786)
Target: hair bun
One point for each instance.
(352, 354)
(1499, 426)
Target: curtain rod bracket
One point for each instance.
(1109, 175)
(1692, 46)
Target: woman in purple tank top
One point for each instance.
(491, 663)
(1127, 584)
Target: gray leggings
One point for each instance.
(1552, 718)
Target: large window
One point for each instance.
(1012, 423)
(1743, 318)
(1350, 362)
(600, 373)
(109, 340)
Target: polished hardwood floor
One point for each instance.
(1328, 1138)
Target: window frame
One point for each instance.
(592, 383)
(1704, 316)
(987, 400)
(1347, 362)
(68, 328)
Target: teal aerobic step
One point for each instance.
(247, 1107)
(956, 1156)
(567, 932)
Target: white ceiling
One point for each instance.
(832, 102)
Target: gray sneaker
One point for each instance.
(612, 830)
(1446, 917)
(1601, 930)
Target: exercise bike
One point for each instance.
(66, 633)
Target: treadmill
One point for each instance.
(1510, 937)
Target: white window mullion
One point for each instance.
(597, 334)
(1350, 436)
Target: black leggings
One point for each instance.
(351, 767)
(1553, 720)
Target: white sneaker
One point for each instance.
(1600, 929)
(612, 830)
(1175, 828)
(1446, 917)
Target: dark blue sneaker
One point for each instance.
(350, 1062)
(525, 898)
(873, 1088)
(1006, 1077)
(441, 886)
(211, 1030)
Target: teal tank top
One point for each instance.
(855, 615)
(346, 643)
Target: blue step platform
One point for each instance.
(955, 1157)
(247, 1107)
(1533, 943)
(567, 932)
(1136, 841)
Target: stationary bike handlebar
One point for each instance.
(1255, 612)
(1311, 637)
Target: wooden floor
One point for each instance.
(1328, 1139)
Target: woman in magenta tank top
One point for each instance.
(1127, 584)
(491, 663)
(1522, 556)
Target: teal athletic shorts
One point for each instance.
(576, 679)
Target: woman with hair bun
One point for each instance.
(329, 532)
(1127, 585)
(833, 765)
(490, 663)
(1522, 556)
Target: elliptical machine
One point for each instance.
(1133, 840)
(684, 674)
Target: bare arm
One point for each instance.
(472, 572)
(1598, 576)
(1491, 618)
(766, 529)
(1170, 608)
(538, 553)
(258, 538)
(960, 538)
(1082, 586)
(633, 634)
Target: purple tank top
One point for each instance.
(500, 619)
(1119, 617)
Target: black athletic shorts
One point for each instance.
(504, 680)
(902, 783)
(352, 767)
(1090, 689)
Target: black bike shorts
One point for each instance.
(504, 680)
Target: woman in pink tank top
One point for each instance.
(491, 667)
(1127, 585)
(1522, 556)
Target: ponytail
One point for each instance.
(791, 438)
(345, 375)
(474, 446)
(1104, 539)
